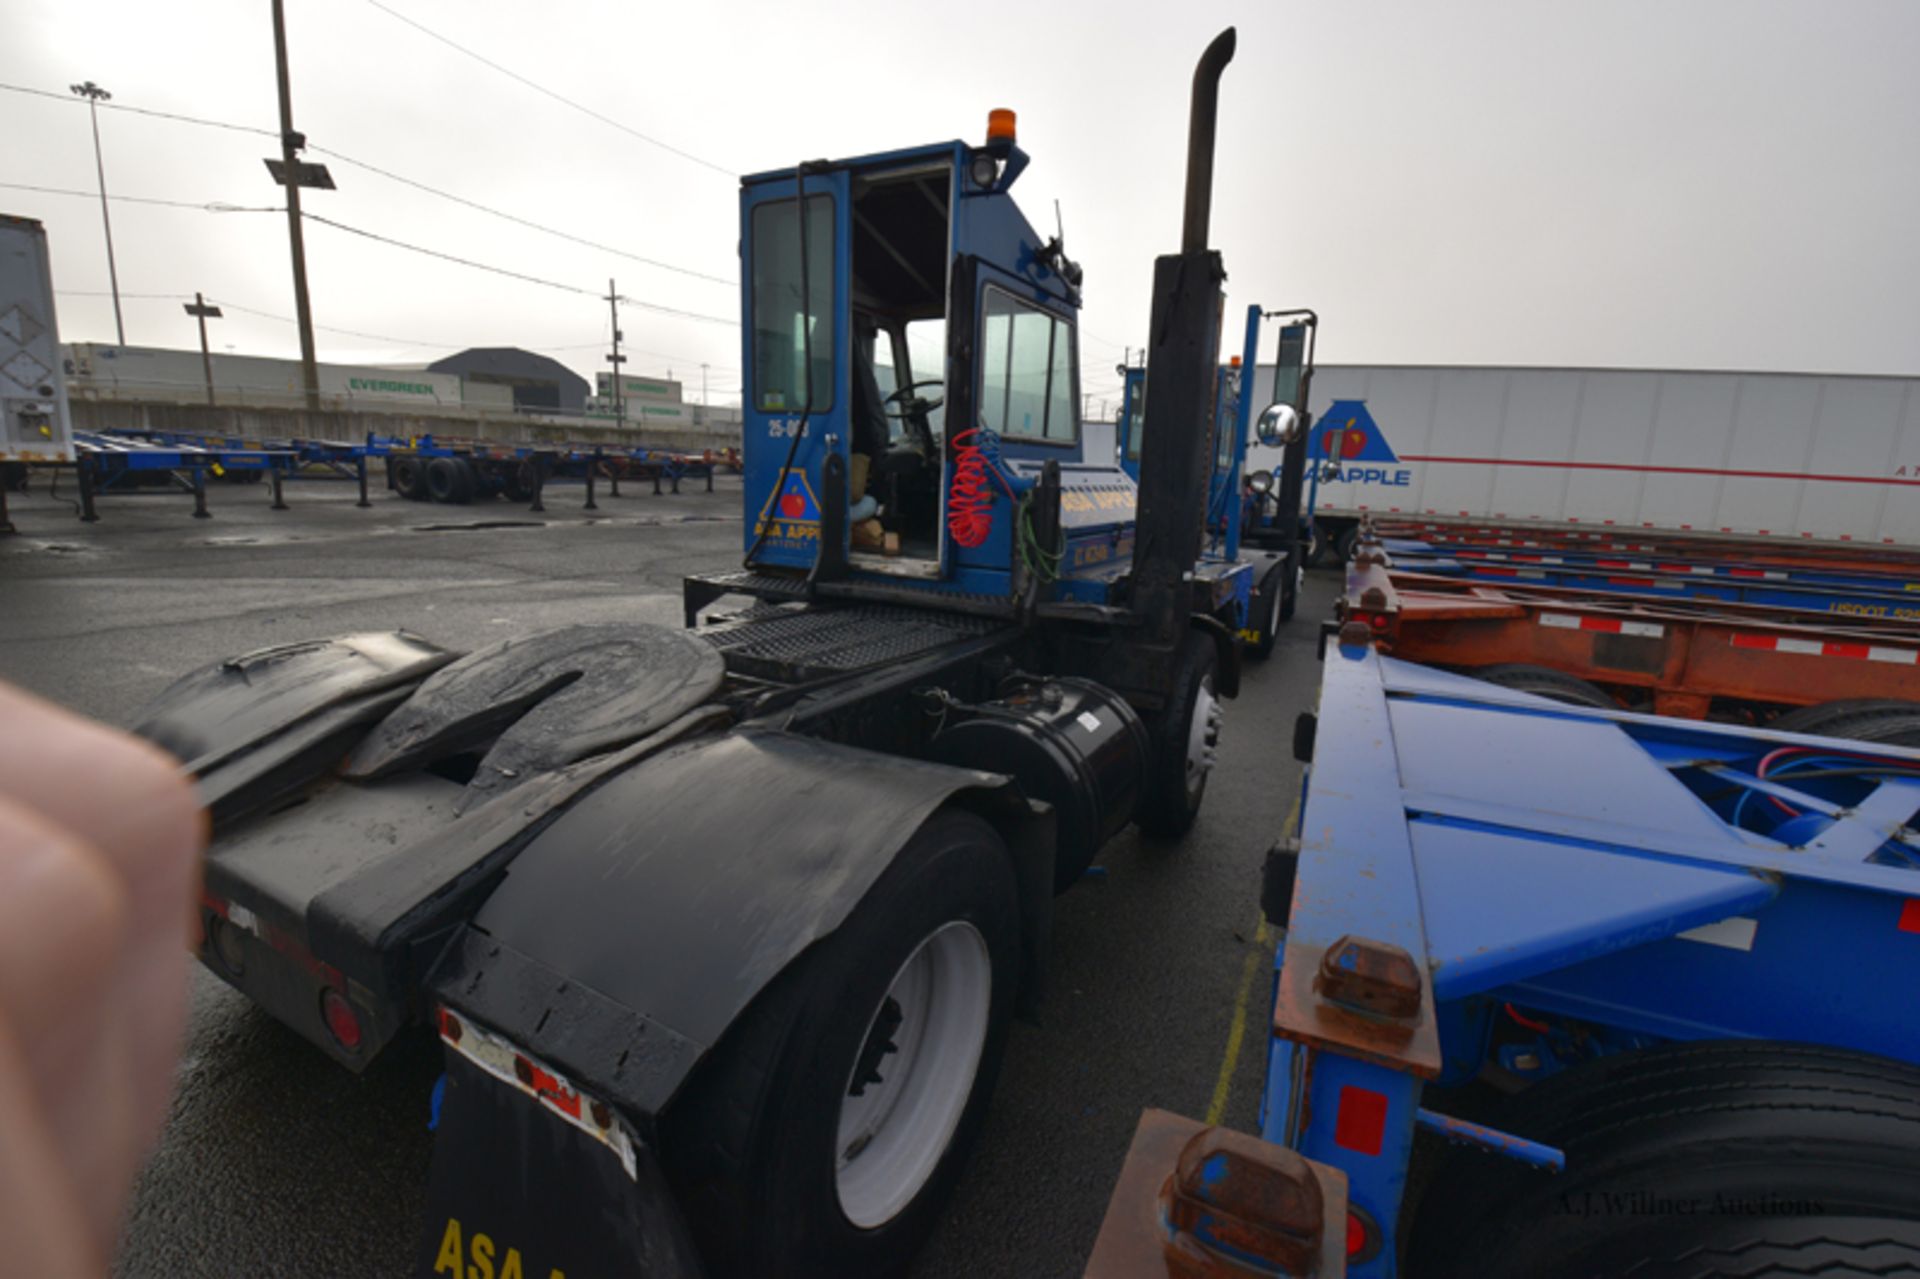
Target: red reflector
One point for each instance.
(1361, 1124)
(1356, 1235)
(342, 1022)
(1910, 916)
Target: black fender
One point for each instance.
(631, 932)
(1228, 645)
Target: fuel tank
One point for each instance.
(1068, 742)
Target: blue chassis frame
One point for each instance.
(1449, 817)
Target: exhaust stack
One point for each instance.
(1183, 351)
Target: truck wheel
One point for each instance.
(1268, 607)
(1883, 720)
(1802, 1157)
(1185, 737)
(824, 1133)
(409, 478)
(1547, 682)
(1295, 578)
(450, 480)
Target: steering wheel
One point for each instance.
(906, 393)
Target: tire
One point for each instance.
(409, 478)
(1185, 735)
(1269, 606)
(450, 479)
(1885, 721)
(1796, 1160)
(1293, 581)
(1547, 682)
(756, 1134)
(518, 484)
(1319, 547)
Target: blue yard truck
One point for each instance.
(721, 928)
(1568, 990)
(1244, 504)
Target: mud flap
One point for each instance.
(518, 1193)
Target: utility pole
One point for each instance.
(616, 359)
(202, 312)
(291, 172)
(95, 95)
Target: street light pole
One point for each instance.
(95, 95)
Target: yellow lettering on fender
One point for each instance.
(482, 1267)
(451, 1254)
(510, 1268)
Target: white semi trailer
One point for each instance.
(1786, 455)
(34, 424)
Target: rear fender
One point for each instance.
(632, 931)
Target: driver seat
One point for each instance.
(871, 429)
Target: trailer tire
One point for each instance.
(409, 478)
(756, 1134)
(1881, 720)
(1185, 735)
(1800, 1157)
(1270, 608)
(519, 483)
(1547, 682)
(450, 480)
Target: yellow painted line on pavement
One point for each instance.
(1257, 957)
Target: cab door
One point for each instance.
(795, 347)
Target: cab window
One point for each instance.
(1026, 371)
(787, 330)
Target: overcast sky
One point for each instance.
(1685, 185)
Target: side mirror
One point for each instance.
(1279, 426)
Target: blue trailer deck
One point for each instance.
(1490, 883)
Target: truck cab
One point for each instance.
(912, 347)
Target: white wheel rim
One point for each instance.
(1203, 736)
(892, 1135)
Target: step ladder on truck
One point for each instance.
(959, 657)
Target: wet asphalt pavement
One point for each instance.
(275, 1161)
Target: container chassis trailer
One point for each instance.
(662, 1020)
(1564, 990)
(1685, 656)
(422, 468)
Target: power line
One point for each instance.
(557, 97)
(209, 206)
(392, 177)
(508, 272)
(520, 221)
(147, 111)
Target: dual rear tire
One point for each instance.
(825, 1132)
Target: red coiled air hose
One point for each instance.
(970, 497)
